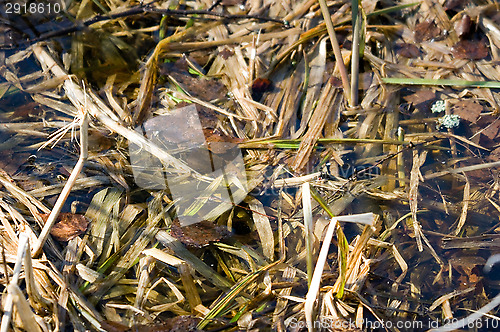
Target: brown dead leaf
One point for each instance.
(198, 234)
(199, 87)
(421, 99)
(259, 86)
(427, 30)
(467, 110)
(408, 50)
(494, 155)
(220, 143)
(67, 226)
(470, 49)
(492, 131)
(226, 53)
(462, 26)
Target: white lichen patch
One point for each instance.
(449, 121)
(438, 107)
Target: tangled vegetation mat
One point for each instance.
(249, 165)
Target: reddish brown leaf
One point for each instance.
(198, 234)
(427, 30)
(462, 26)
(494, 155)
(259, 86)
(199, 87)
(408, 50)
(421, 99)
(220, 143)
(226, 53)
(467, 110)
(68, 226)
(492, 131)
(470, 49)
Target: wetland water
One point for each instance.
(154, 239)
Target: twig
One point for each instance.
(51, 220)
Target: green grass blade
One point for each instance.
(445, 82)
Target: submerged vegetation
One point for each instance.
(250, 165)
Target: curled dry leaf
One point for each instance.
(470, 49)
(67, 226)
(198, 234)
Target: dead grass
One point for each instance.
(365, 207)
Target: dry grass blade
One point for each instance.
(29, 321)
(263, 228)
(312, 293)
(7, 309)
(329, 101)
(465, 207)
(415, 176)
(309, 229)
(336, 49)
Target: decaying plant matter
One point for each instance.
(349, 199)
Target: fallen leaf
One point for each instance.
(494, 155)
(259, 86)
(462, 26)
(492, 131)
(219, 143)
(199, 87)
(407, 50)
(67, 226)
(421, 99)
(427, 30)
(470, 49)
(467, 110)
(198, 234)
(226, 53)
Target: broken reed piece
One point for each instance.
(51, 220)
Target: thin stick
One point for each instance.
(51, 220)
(336, 49)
